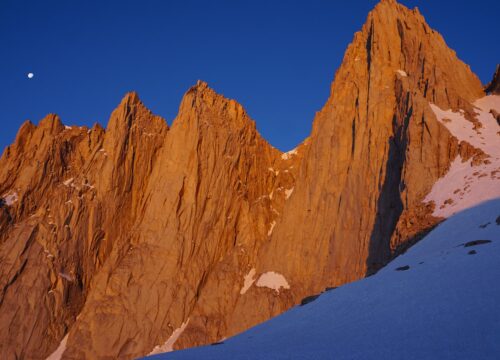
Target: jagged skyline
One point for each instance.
(143, 238)
(276, 61)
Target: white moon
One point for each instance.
(30, 75)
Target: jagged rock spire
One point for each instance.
(494, 85)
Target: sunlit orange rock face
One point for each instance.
(114, 239)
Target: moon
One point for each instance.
(30, 75)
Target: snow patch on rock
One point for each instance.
(68, 182)
(66, 276)
(289, 154)
(273, 224)
(273, 280)
(249, 279)
(288, 192)
(168, 346)
(57, 354)
(274, 171)
(402, 73)
(11, 198)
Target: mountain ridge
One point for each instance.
(141, 231)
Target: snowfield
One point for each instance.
(440, 300)
(465, 185)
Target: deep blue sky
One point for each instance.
(277, 58)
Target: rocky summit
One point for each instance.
(138, 238)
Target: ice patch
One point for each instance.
(56, 355)
(168, 346)
(248, 281)
(273, 280)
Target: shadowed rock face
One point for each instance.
(494, 86)
(119, 237)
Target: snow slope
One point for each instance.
(466, 185)
(446, 305)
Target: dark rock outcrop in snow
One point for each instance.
(494, 86)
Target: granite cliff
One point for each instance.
(140, 238)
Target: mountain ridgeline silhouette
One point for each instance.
(140, 238)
